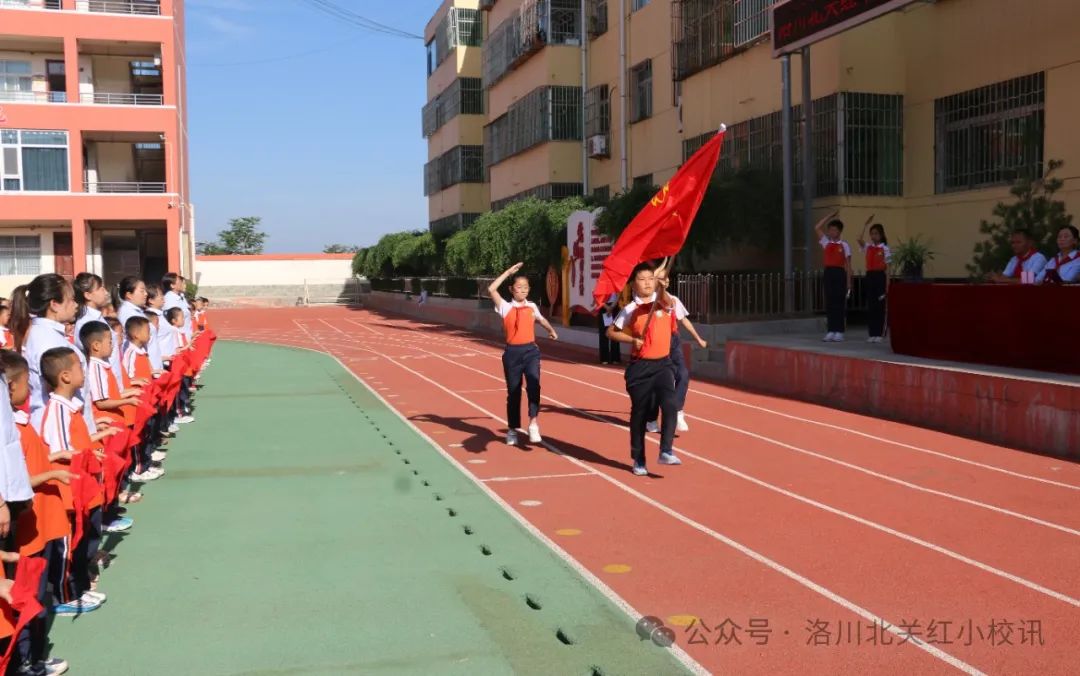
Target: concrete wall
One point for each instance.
(271, 270)
(1033, 415)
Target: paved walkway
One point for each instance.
(290, 536)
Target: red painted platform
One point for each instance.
(1028, 410)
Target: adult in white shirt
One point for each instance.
(1026, 258)
(1065, 266)
(130, 299)
(174, 297)
(39, 313)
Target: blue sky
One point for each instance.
(305, 121)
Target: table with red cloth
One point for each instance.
(1018, 326)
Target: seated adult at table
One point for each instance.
(1065, 266)
(1026, 259)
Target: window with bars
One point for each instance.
(460, 164)
(857, 144)
(461, 27)
(464, 96)
(641, 91)
(20, 255)
(602, 194)
(702, 35)
(15, 78)
(598, 17)
(536, 23)
(33, 160)
(548, 191)
(643, 181)
(638, 4)
(597, 111)
(751, 20)
(545, 114)
(991, 135)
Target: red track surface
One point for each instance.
(783, 518)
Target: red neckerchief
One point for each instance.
(1020, 260)
(1064, 261)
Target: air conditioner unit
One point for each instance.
(597, 146)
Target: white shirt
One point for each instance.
(1068, 267)
(1034, 264)
(153, 348)
(44, 335)
(174, 299)
(14, 479)
(55, 427)
(126, 311)
(89, 315)
(98, 377)
(632, 306)
(168, 340)
(129, 359)
(506, 306)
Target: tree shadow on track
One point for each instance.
(478, 436)
(591, 415)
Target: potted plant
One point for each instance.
(909, 257)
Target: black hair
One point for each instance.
(85, 282)
(13, 364)
(92, 331)
(172, 313)
(641, 267)
(168, 280)
(126, 286)
(153, 290)
(134, 323)
(1025, 233)
(54, 362)
(34, 299)
(1073, 230)
(881, 229)
(513, 280)
(113, 322)
(837, 222)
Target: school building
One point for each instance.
(923, 116)
(93, 140)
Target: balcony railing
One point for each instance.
(110, 99)
(145, 7)
(33, 97)
(119, 187)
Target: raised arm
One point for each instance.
(493, 288)
(819, 228)
(866, 226)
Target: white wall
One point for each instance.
(262, 271)
(48, 263)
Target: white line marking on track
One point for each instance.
(783, 570)
(809, 501)
(499, 479)
(631, 612)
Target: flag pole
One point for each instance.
(786, 134)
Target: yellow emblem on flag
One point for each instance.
(661, 197)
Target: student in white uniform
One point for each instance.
(1065, 266)
(129, 300)
(155, 299)
(682, 373)
(16, 493)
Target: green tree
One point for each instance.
(358, 262)
(462, 254)
(241, 237)
(379, 261)
(1033, 209)
(415, 255)
(340, 248)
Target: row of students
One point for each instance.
(73, 448)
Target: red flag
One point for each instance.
(83, 489)
(117, 459)
(24, 598)
(660, 229)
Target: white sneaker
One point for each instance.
(682, 426)
(158, 456)
(94, 596)
(534, 434)
(652, 427)
(174, 428)
(184, 420)
(828, 337)
(511, 438)
(54, 666)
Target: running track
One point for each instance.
(794, 538)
